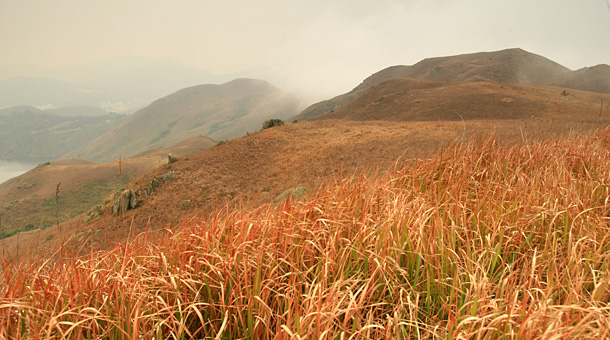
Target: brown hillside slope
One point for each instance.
(260, 166)
(513, 66)
(29, 199)
(217, 111)
(406, 99)
(183, 148)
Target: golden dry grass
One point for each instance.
(481, 241)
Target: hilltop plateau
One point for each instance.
(407, 99)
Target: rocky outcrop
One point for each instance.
(150, 187)
(171, 158)
(155, 182)
(127, 201)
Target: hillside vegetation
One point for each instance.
(480, 241)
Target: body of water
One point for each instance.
(13, 168)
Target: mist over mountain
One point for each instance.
(118, 85)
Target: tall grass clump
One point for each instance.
(480, 242)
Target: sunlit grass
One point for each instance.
(478, 242)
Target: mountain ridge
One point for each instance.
(511, 66)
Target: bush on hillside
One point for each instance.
(272, 122)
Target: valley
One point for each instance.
(29, 132)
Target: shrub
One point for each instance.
(272, 122)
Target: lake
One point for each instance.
(15, 167)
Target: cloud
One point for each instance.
(343, 43)
(318, 46)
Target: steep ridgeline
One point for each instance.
(512, 66)
(218, 111)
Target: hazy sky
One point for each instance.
(322, 46)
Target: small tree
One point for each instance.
(57, 205)
(272, 122)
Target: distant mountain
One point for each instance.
(217, 111)
(28, 132)
(512, 66)
(117, 85)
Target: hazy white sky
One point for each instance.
(322, 46)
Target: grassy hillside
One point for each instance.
(481, 241)
(511, 66)
(407, 99)
(222, 111)
(595, 79)
(255, 169)
(27, 202)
